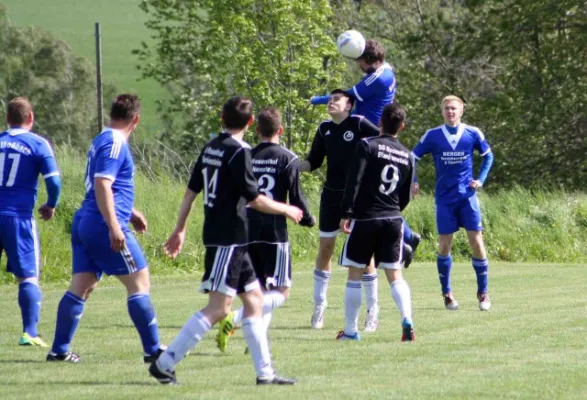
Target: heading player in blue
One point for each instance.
(376, 89)
(224, 173)
(101, 239)
(377, 190)
(452, 146)
(23, 156)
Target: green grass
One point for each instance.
(531, 345)
(123, 30)
(520, 225)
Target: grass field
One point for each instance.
(123, 30)
(530, 346)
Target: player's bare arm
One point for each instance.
(138, 221)
(105, 200)
(174, 243)
(265, 205)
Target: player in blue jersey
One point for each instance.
(371, 94)
(23, 156)
(101, 239)
(452, 146)
(376, 89)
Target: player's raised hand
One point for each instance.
(138, 221)
(475, 184)
(294, 213)
(345, 226)
(174, 243)
(46, 212)
(117, 239)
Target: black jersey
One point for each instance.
(337, 142)
(379, 179)
(278, 176)
(225, 174)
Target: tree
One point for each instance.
(276, 52)
(520, 66)
(61, 86)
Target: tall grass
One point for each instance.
(519, 225)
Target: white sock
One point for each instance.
(370, 283)
(238, 316)
(256, 337)
(271, 300)
(267, 320)
(352, 305)
(188, 337)
(400, 291)
(321, 279)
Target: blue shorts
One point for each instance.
(466, 214)
(20, 241)
(91, 250)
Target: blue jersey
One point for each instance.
(374, 92)
(110, 157)
(453, 159)
(23, 156)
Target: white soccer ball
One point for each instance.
(351, 44)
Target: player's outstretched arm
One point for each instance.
(265, 205)
(174, 243)
(105, 200)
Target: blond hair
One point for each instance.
(451, 98)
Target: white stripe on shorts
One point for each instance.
(36, 248)
(344, 260)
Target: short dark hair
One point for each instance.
(392, 117)
(374, 51)
(18, 111)
(345, 94)
(125, 107)
(237, 112)
(268, 121)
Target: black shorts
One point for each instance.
(272, 263)
(228, 270)
(382, 238)
(330, 212)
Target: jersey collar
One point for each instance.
(16, 131)
(453, 140)
(115, 132)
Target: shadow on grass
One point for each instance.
(84, 383)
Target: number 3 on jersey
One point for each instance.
(266, 184)
(210, 186)
(385, 179)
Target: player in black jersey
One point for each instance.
(377, 190)
(277, 172)
(336, 140)
(224, 173)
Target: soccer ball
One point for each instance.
(351, 44)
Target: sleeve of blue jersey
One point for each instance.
(109, 158)
(320, 99)
(486, 163)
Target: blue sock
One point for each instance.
(407, 232)
(69, 313)
(444, 265)
(142, 313)
(482, 270)
(29, 300)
